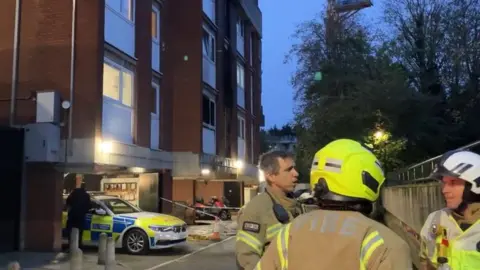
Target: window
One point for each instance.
(155, 99)
(116, 78)
(118, 206)
(240, 76)
(252, 93)
(155, 24)
(208, 111)
(208, 41)
(251, 49)
(241, 127)
(252, 140)
(240, 28)
(126, 8)
(111, 82)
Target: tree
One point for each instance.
(361, 88)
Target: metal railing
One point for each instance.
(422, 170)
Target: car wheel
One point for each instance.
(136, 242)
(223, 215)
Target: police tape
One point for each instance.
(200, 211)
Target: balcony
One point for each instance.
(189, 165)
(209, 72)
(119, 30)
(253, 12)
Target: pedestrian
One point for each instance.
(450, 237)
(265, 214)
(78, 204)
(346, 178)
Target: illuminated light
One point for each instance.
(378, 135)
(205, 172)
(239, 164)
(106, 147)
(137, 170)
(261, 176)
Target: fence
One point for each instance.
(420, 172)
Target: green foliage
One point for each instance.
(420, 83)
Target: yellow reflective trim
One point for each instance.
(250, 240)
(273, 230)
(282, 246)
(258, 266)
(369, 245)
(86, 235)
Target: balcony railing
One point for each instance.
(421, 171)
(253, 12)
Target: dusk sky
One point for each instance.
(280, 19)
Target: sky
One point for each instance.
(280, 19)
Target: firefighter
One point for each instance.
(346, 179)
(262, 218)
(450, 237)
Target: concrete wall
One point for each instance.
(406, 209)
(413, 203)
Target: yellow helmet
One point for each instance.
(344, 170)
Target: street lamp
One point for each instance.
(378, 135)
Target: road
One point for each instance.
(218, 256)
(193, 255)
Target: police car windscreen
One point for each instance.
(118, 206)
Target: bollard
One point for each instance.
(14, 266)
(102, 248)
(74, 235)
(110, 254)
(76, 259)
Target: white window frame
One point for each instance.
(211, 41)
(241, 127)
(156, 10)
(122, 69)
(240, 75)
(211, 98)
(240, 28)
(130, 6)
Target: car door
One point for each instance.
(100, 223)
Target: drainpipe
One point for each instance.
(16, 42)
(72, 71)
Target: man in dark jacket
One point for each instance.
(78, 204)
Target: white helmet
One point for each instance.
(464, 165)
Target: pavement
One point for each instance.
(192, 254)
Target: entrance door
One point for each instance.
(231, 191)
(11, 168)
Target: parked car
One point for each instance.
(134, 230)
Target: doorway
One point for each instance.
(11, 166)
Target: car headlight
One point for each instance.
(161, 228)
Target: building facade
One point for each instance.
(128, 89)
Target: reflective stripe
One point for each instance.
(273, 230)
(369, 245)
(251, 241)
(282, 246)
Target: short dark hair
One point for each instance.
(269, 161)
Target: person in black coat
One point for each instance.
(78, 204)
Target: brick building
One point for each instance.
(166, 90)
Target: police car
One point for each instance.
(135, 230)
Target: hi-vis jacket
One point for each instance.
(461, 248)
(326, 240)
(257, 226)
